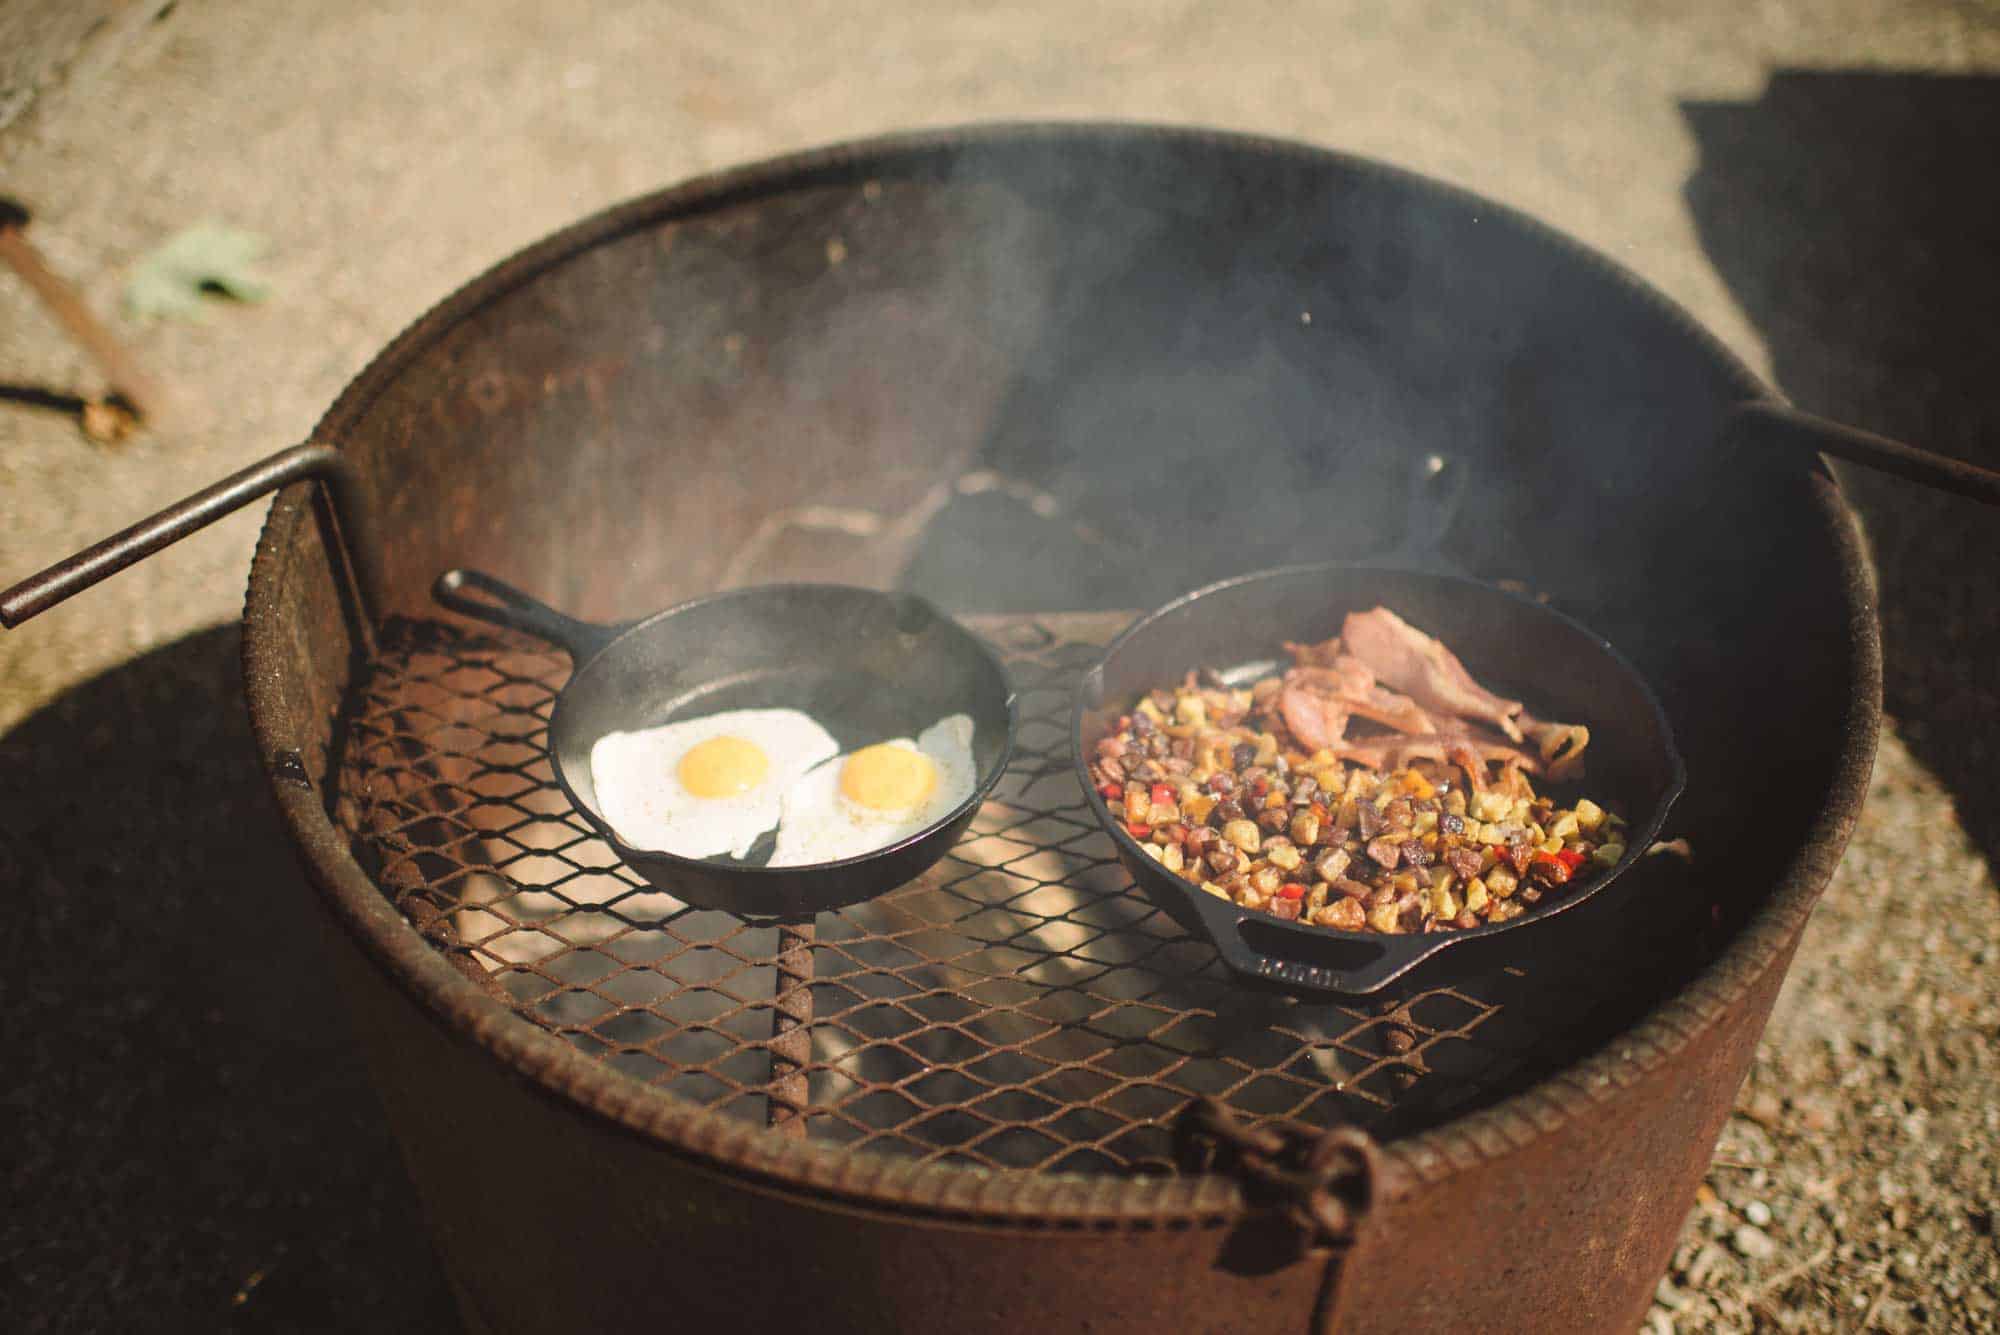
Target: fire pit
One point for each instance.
(1044, 377)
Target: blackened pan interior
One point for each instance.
(865, 665)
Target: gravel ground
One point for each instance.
(1812, 179)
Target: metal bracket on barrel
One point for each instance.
(1321, 1184)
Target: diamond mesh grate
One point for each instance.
(1020, 1006)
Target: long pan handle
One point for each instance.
(1777, 424)
(71, 576)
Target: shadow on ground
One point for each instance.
(184, 1106)
(1855, 215)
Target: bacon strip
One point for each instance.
(1560, 744)
(1342, 679)
(1318, 720)
(1409, 660)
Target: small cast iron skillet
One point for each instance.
(867, 665)
(1511, 644)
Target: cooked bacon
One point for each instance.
(1327, 653)
(1317, 719)
(1560, 745)
(1317, 701)
(1411, 661)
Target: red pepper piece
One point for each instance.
(1111, 792)
(1556, 870)
(1570, 858)
(1318, 810)
(1291, 890)
(1163, 795)
(1139, 830)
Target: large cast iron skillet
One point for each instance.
(1511, 644)
(866, 665)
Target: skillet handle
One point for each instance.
(1277, 951)
(504, 605)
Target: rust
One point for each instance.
(791, 1029)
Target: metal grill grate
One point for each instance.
(1018, 1007)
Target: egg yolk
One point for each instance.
(723, 767)
(887, 778)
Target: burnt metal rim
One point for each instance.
(1406, 952)
(860, 1182)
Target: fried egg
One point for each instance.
(872, 797)
(704, 786)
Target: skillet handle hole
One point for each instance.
(1317, 949)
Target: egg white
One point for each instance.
(820, 824)
(640, 794)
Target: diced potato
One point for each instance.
(1502, 882)
(1192, 710)
(1384, 918)
(1566, 825)
(1162, 813)
(1492, 807)
(1244, 834)
(1343, 913)
(1454, 802)
(1475, 895)
(1267, 748)
(1443, 902)
(1171, 857)
(1551, 845)
(1151, 710)
(1502, 912)
(1427, 822)
(1158, 853)
(1195, 809)
(1215, 889)
(1608, 854)
(1589, 815)
(1519, 813)
(1284, 856)
(1490, 834)
(1266, 880)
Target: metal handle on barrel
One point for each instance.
(351, 513)
(1772, 423)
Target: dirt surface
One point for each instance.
(1812, 179)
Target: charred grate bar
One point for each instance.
(1019, 1007)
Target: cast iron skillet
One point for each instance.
(1238, 626)
(866, 665)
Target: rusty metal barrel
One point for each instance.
(1047, 377)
